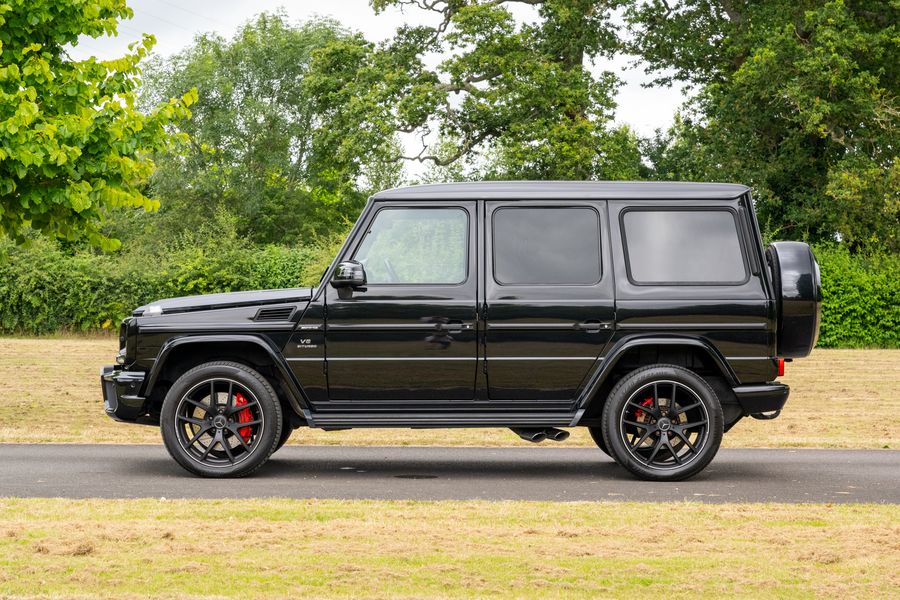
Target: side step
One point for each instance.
(442, 419)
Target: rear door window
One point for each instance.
(546, 245)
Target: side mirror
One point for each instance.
(349, 274)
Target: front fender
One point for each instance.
(292, 389)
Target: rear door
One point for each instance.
(549, 304)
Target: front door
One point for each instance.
(410, 335)
(549, 297)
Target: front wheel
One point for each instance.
(221, 419)
(663, 423)
(286, 430)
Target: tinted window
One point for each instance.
(416, 245)
(546, 246)
(683, 246)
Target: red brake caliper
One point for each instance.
(243, 417)
(638, 413)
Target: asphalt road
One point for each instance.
(428, 473)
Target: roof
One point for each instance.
(569, 190)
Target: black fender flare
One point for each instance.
(293, 391)
(602, 371)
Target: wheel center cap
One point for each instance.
(664, 424)
(219, 421)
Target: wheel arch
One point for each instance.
(180, 354)
(630, 353)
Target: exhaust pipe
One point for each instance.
(557, 435)
(530, 435)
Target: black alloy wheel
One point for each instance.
(221, 419)
(663, 423)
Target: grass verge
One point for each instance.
(334, 548)
(52, 394)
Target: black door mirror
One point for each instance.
(348, 275)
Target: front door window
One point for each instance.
(414, 246)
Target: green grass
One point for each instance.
(333, 548)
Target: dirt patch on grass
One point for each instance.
(284, 548)
(52, 394)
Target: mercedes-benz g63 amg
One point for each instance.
(649, 313)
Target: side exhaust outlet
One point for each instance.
(530, 435)
(557, 435)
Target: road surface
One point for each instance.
(429, 473)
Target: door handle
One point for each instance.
(593, 326)
(453, 326)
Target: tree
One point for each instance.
(798, 99)
(251, 145)
(72, 144)
(517, 91)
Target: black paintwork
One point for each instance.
(476, 353)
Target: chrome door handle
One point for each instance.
(454, 326)
(593, 326)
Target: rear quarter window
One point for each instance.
(683, 247)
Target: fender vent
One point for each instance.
(280, 313)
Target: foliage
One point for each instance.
(44, 289)
(518, 90)
(797, 99)
(72, 144)
(861, 298)
(252, 144)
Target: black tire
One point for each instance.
(286, 431)
(230, 436)
(597, 436)
(657, 441)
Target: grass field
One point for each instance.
(838, 400)
(289, 548)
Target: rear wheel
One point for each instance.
(221, 419)
(663, 423)
(597, 436)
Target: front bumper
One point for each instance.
(121, 393)
(761, 398)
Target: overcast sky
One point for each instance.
(175, 23)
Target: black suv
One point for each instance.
(649, 313)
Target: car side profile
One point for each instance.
(650, 313)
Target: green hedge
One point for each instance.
(861, 299)
(44, 289)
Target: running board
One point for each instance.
(440, 420)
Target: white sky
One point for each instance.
(175, 23)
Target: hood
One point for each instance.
(226, 300)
